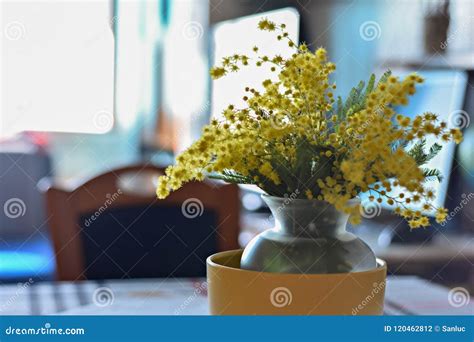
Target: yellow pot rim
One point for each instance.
(381, 266)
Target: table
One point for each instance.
(405, 295)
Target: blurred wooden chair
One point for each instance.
(106, 228)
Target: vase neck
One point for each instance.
(306, 218)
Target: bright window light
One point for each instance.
(229, 39)
(57, 66)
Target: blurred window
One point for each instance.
(57, 62)
(227, 40)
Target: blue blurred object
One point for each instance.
(22, 261)
(25, 250)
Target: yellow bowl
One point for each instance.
(234, 291)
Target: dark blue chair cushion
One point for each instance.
(135, 242)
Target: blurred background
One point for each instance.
(97, 97)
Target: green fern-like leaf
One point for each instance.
(357, 98)
(385, 77)
(399, 144)
(432, 173)
(354, 99)
(340, 108)
(418, 153)
(230, 176)
(434, 150)
(370, 86)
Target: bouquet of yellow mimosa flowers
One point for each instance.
(294, 136)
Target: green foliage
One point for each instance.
(432, 173)
(418, 153)
(339, 108)
(320, 165)
(358, 97)
(385, 76)
(421, 157)
(434, 150)
(399, 144)
(231, 176)
(355, 100)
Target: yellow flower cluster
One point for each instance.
(294, 137)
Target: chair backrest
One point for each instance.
(100, 230)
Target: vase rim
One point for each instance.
(354, 200)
